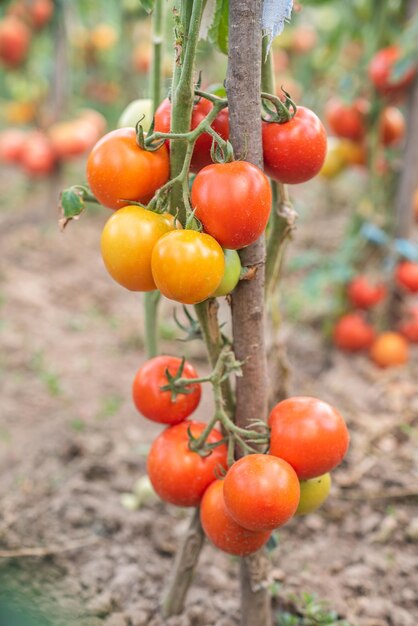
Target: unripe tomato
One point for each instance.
(353, 333)
(131, 115)
(222, 530)
(157, 405)
(381, 68)
(12, 141)
(346, 120)
(178, 475)
(187, 266)
(118, 170)
(389, 349)
(127, 242)
(201, 153)
(38, 157)
(15, 38)
(233, 202)
(309, 434)
(352, 153)
(335, 161)
(313, 493)
(231, 275)
(295, 151)
(391, 126)
(363, 294)
(407, 276)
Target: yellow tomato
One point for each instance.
(313, 493)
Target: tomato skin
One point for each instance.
(187, 266)
(313, 493)
(231, 275)
(222, 530)
(157, 405)
(380, 69)
(309, 434)
(15, 38)
(363, 294)
(233, 202)
(392, 126)
(295, 151)
(134, 111)
(178, 475)
(118, 170)
(353, 333)
(407, 276)
(12, 141)
(346, 120)
(201, 153)
(389, 349)
(128, 239)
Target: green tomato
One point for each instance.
(313, 493)
(133, 113)
(231, 274)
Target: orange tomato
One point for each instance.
(389, 349)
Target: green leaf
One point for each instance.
(72, 202)
(218, 31)
(148, 5)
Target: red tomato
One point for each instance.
(201, 153)
(346, 120)
(158, 405)
(380, 71)
(309, 434)
(118, 170)
(295, 151)
(187, 266)
(391, 126)
(222, 530)
(353, 333)
(363, 294)
(407, 276)
(261, 492)
(389, 349)
(233, 202)
(41, 12)
(409, 328)
(15, 38)
(12, 141)
(178, 475)
(38, 157)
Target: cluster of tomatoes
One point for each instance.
(354, 333)
(38, 152)
(242, 504)
(22, 19)
(350, 122)
(144, 250)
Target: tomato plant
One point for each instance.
(222, 530)
(127, 242)
(363, 294)
(261, 492)
(118, 170)
(309, 434)
(353, 333)
(407, 276)
(160, 406)
(389, 349)
(313, 493)
(233, 202)
(179, 475)
(187, 266)
(294, 151)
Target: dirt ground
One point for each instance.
(71, 444)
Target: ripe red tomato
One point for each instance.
(222, 530)
(295, 151)
(346, 120)
(363, 294)
(353, 333)
(118, 170)
(127, 242)
(38, 157)
(157, 405)
(389, 349)
(309, 434)
(187, 266)
(391, 126)
(409, 329)
(41, 12)
(12, 141)
(233, 202)
(15, 38)
(201, 153)
(407, 276)
(380, 71)
(261, 492)
(178, 475)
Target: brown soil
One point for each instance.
(71, 444)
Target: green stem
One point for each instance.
(151, 300)
(280, 226)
